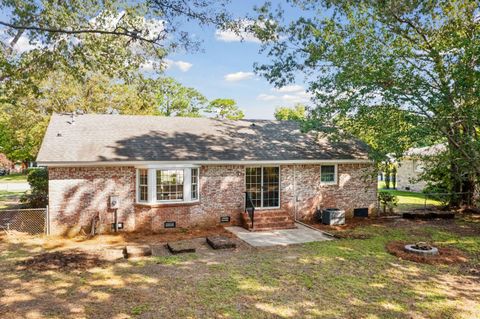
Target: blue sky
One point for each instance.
(225, 70)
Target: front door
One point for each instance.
(263, 185)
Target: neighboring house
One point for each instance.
(195, 172)
(411, 167)
(5, 162)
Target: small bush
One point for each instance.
(387, 199)
(38, 197)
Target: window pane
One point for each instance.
(254, 185)
(328, 173)
(143, 185)
(271, 186)
(169, 184)
(194, 183)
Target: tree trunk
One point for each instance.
(387, 177)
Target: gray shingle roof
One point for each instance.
(426, 151)
(114, 138)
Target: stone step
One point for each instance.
(273, 218)
(268, 220)
(270, 213)
(272, 227)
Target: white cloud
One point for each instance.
(266, 97)
(181, 65)
(289, 89)
(292, 94)
(23, 45)
(151, 65)
(242, 35)
(238, 76)
(148, 66)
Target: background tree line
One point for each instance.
(88, 56)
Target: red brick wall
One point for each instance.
(78, 194)
(355, 188)
(221, 194)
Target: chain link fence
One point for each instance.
(30, 220)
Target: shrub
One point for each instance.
(38, 197)
(387, 199)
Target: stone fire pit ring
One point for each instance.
(425, 252)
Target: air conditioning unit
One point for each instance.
(333, 216)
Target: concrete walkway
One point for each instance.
(281, 237)
(14, 187)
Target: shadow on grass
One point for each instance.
(341, 279)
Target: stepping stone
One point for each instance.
(137, 251)
(182, 246)
(113, 254)
(221, 242)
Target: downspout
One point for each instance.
(295, 198)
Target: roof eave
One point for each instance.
(200, 162)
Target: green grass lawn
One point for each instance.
(409, 200)
(14, 178)
(7, 197)
(334, 279)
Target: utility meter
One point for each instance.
(114, 202)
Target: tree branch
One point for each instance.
(118, 31)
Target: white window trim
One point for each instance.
(137, 190)
(335, 175)
(152, 184)
(279, 185)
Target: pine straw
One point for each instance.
(61, 260)
(446, 255)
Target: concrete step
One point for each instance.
(272, 227)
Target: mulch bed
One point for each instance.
(61, 260)
(446, 255)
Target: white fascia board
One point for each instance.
(175, 164)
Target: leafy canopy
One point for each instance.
(296, 113)
(225, 109)
(409, 69)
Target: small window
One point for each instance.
(328, 174)
(143, 185)
(169, 185)
(194, 183)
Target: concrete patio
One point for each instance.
(283, 237)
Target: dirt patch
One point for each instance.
(176, 235)
(352, 223)
(62, 260)
(446, 255)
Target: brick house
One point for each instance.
(194, 172)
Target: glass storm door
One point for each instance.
(263, 185)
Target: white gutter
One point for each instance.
(196, 162)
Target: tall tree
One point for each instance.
(421, 57)
(225, 109)
(296, 113)
(67, 55)
(174, 99)
(23, 123)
